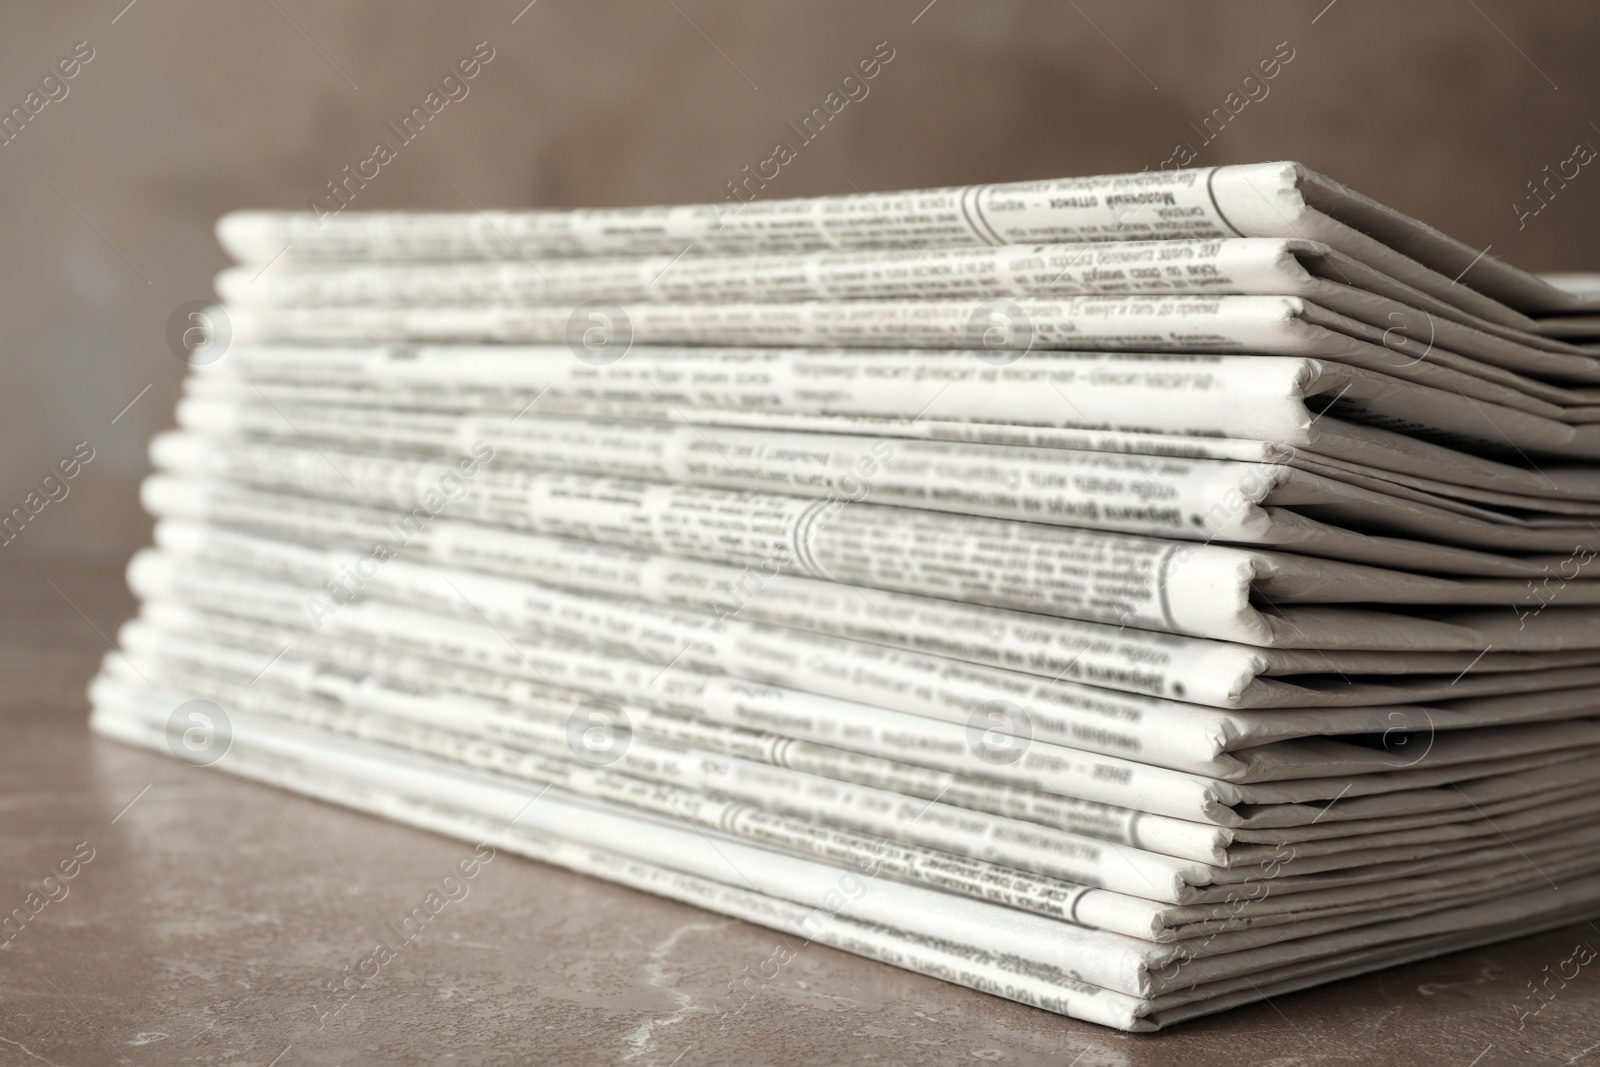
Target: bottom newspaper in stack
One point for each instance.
(901, 815)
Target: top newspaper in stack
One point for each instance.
(1283, 200)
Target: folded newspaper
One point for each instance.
(1133, 596)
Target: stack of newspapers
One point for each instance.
(1133, 596)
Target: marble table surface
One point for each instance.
(215, 917)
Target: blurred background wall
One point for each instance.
(1443, 108)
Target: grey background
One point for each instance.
(1444, 109)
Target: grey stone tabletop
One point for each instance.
(210, 921)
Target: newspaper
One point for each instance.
(1031, 483)
(1131, 803)
(1206, 590)
(1133, 595)
(1098, 961)
(1221, 674)
(1289, 901)
(431, 419)
(1048, 987)
(887, 379)
(603, 825)
(168, 622)
(1182, 404)
(1411, 321)
(1540, 417)
(1059, 721)
(1283, 200)
(375, 707)
(832, 482)
(537, 724)
(1527, 814)
(701, 637)
(917, 395)
(539, 721)
(1295, 905)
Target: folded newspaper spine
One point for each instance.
(1134, 596)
